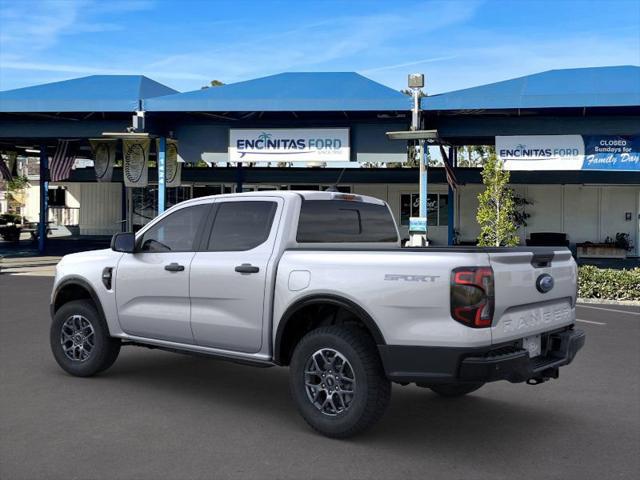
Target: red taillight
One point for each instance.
(472, 299)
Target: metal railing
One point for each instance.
(64, 215)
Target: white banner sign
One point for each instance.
(136, 162)
(289, 145)
(541, 152)
(104, 156)
(173, 165)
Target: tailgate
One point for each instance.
(521, 308)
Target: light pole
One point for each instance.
(418, 225)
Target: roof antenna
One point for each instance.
(334, 187)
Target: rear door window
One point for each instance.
(241, 225)
(341, 221)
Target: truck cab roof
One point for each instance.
(289, 194)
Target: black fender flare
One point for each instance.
(82, 283)
(325, 299)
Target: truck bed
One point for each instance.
(406, 290)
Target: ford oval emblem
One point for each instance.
(544, 283)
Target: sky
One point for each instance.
(185, 44)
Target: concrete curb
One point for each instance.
(601, 301)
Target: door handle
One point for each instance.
(174, 267)
(247, 268)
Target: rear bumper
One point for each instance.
(428, 365)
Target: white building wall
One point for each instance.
(586, 213)
(73, 195)
(546, 211)
(615, 203)
(31, 208)
(580, 213)
(100, 208)
(467, 206)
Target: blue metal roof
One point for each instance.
(298, 92)
(577, 87)
(96, 93)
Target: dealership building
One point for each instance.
(570, 137)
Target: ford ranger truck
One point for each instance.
(318, 282)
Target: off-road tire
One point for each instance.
(105, 348)
(372, 391)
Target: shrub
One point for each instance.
(608, 284)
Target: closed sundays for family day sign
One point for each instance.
(289, 145)
(569, 152)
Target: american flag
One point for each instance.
(4, 170)
(448, 170)
(62, 161)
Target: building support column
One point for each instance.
(423, 179)
(453, 154)
(239, 177)
(162, 179)
(44, 199)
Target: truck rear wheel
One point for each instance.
(80, 339)
(455, 389)
(337, 381)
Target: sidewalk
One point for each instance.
(40, 266)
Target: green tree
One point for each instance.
(474, 155)
(213, 83)
(497, 208)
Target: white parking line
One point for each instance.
(590, 321)
(628, 312)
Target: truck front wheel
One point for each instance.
(337, 381)
(80, 339)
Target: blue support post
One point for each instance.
(162, 180)
(423, 179)
(450, 201)
(44, 200)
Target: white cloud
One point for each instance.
(408, 64)
(89, 70)
(31, 27)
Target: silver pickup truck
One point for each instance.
(317, 281)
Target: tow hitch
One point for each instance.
(537, 380)
(544, 376)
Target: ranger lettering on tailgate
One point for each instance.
(535, 318)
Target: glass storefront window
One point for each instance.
(205, 190)
(436, 208)
(443, 210)
(432, 209)
(176, 195)
(145, 206)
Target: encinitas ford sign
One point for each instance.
(289, 145)
(541, 152)
(569, 152)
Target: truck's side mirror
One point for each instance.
(123, 242)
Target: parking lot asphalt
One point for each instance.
(160, 415)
